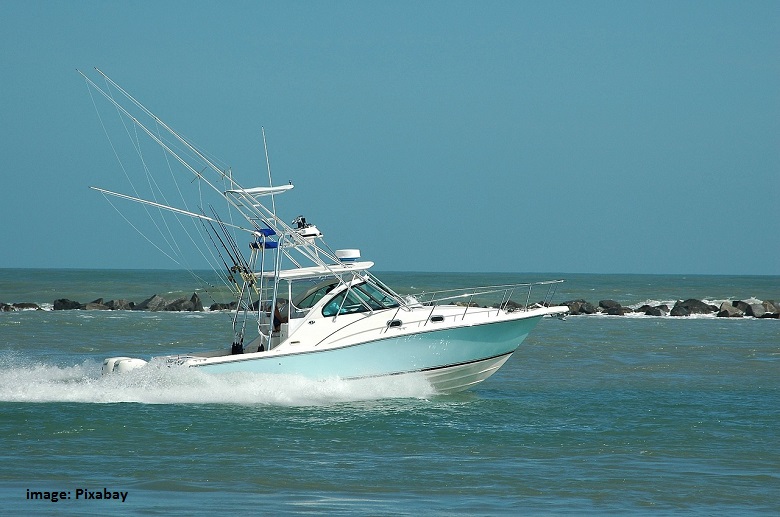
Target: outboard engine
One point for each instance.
(121, 365)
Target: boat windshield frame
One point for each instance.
(359, 297)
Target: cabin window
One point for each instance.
(359, 298)
(346, 302)
(312, 298)
(378, 299)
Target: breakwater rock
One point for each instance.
(687, 307)
(10, 307)
(681, 308)
(153, 303)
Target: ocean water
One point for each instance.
(592, 415)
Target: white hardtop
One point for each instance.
(316, 271)
(261, 191)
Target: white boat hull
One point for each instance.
(463, 376)
(451, 359)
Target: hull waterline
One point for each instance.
(450, 359)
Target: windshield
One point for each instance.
(359, 298)
(311, 299)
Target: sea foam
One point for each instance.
(22, 381)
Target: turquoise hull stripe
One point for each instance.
(393, 355)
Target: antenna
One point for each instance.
(268, 165)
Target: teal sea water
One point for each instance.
(592, 415)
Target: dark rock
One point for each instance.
(63, 304)
(679, 310)
(579, 307)
(756, 310)
(6, 307)
(510, 306)
(771, 306)
(155, 303)
(772, 309)
(587, 308)
(619, 310)
(651, 310)
(197, 305)
(727, 310)
(179, 304)
(694, 306)
(182, 304)
(94, 306)
(26, 306)
(608, 304)
(120, 305)
(572, 304)
(223, 306)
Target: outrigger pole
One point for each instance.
(170, 208)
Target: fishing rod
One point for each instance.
(224, 263)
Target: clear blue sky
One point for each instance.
(625, 137)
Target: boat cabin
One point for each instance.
(306, 294)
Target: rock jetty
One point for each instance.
(10, 307)
(687, 307)
(153, 303)
(682, 308)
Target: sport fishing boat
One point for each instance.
(303, 308)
